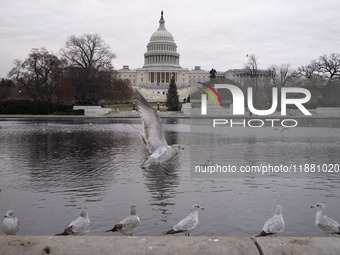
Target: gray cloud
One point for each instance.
(215, 34)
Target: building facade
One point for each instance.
(243, 76)
(162, 62)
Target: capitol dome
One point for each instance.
(162, 35)
(162, 49)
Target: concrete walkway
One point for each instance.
(87, 245)
(131, 114)
(122, 114)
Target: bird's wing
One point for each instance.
(153, 131)
(18, 222)
(71, 230)
(328, 225)
(130, 223)
(186, 224)
(273, 225)
(79, 225)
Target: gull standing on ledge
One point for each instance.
(129, 224)
(79, 226)
(324, 223)
(153, 137)
(10, 224)
(188, 223)
(274, 225)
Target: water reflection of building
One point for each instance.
(162, 62)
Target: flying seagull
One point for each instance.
(79, 226)
(274, 225)
(127, 225)
(153, 137)
(188, 224)
(324, 223)
(11, 224)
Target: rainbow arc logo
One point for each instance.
(209, 93)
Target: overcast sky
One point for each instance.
(216, 34)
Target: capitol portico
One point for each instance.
(161, 63)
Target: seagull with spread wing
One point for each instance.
(153, 137)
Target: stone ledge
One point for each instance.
(300, 245)
(167, 245)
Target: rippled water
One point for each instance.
(51, 169)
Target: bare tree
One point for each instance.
(280, 75)
(252, 72)
(324, 71)
(6, 88)
(65, 93)
(40, 74)
(312, 74)
(322, 75)
(252, 68)
(89, 66)
(330, 67)
(121, 91)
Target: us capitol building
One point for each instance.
(161, 63)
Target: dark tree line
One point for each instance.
(82, 74)
(39, 75)
(321, 77)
